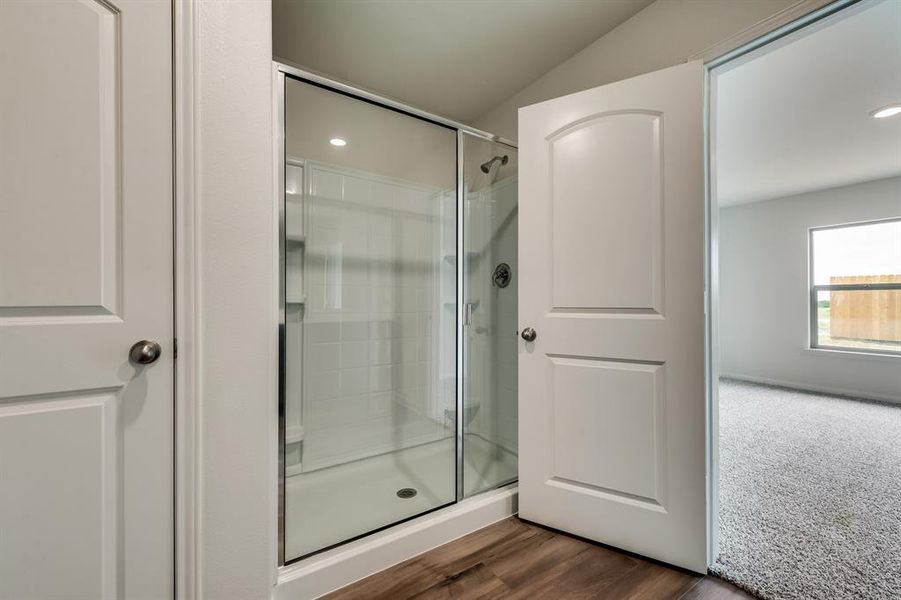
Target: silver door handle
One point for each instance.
(144, 352)
(529, 334)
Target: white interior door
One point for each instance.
(86, 436)
(611, 391)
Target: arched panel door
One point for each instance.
(612, 419)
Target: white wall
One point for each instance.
(664, 34)
(236, 258)
(764, 295)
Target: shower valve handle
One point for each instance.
(529, 334)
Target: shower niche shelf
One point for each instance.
(293, 434)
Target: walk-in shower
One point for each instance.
(398, 378)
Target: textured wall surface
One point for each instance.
(237, 257)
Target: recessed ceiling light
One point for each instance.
(886, 111)
(342, 142)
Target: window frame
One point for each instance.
(814, 288)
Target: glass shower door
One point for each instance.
(490, 314)
(370, 317)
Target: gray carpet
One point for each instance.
(810, 494)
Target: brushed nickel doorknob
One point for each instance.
(144, 352)
(529, 334)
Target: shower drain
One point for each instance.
(406, 493)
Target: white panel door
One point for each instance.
(611, 229)
(86, 436)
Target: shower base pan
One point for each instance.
(371, 487)
(332, 505)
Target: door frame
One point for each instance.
(186, 222)
(785, 23)
(220, 55)
(187, 21)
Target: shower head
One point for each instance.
(486, 166)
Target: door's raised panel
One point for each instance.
(60, 210)
(59, 505)
(606, 213)
(606, 428)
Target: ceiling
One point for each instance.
(796, 119)
(455, 58)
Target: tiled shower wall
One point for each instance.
(378, 322)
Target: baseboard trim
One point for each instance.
(803, 387)
(334, 569)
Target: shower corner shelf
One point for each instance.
(296, 299)
(293, 434)
(295, 239)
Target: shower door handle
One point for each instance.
(467, 314)
(529, 334)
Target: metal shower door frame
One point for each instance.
(282, 72)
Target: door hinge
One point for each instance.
(175, 349)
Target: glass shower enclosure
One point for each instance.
(398, 331)
(489, 348)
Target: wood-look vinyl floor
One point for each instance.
(515, 559)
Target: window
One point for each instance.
(855, 292)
